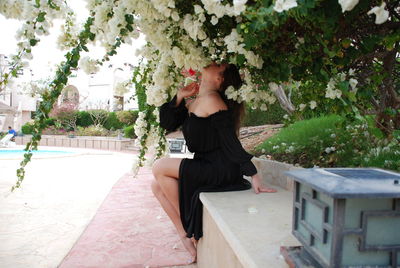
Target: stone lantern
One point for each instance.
(346, 217)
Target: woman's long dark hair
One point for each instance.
(232, 78)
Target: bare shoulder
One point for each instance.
(213, 103)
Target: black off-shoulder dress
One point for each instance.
(219, 161)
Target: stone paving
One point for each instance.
(130, 229)
(84, 211)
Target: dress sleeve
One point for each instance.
(230, 144)
(172, 116)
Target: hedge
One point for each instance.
(256, 117)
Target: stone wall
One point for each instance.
(272, 172)
(89, 142)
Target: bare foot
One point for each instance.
(194, 241)
(187, 242)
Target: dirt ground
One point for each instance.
(250, 137)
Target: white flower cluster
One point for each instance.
(153, 139)
(27, 10)
(121, 88)
(332, 92)
(157, 35)
(166, 7)
(88, 65)
(312, 104)
(190, 57)
(157, 92)
(234, 44)
(329, 150)
(283, 5)
(194, 27)
(348, 5)
(140, 125)
(109, 19)
(380, 12)
(250, 93)
(69, 33)
(214, 7)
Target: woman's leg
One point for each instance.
(165, 188)
(167, 206)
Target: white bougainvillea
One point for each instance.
(381, 14)
(313, 105)
(348, 5)
(89, 66)
(176, 40)
(234, 44)
(283, 5)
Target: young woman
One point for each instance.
(210, 126)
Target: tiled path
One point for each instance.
(129, 230)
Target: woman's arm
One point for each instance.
(259, 187)
(230, 144)
(234, 151)
(186, 92)
(173, 113)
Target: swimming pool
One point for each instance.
(17, 153)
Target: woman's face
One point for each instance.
(214, 73)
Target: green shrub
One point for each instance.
(127, 117)
(92, 131)
(115, 120)
(27, 128)
(112, 122)
(84, 119)
(50, 121)
(53, 130)
(256, 117)
(129, 132)
(330, 141)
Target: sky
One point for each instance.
(46, 55)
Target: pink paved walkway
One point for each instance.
(130, 229)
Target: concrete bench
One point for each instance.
(242, 229)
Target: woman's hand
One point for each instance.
(258, 187)
(188, 91)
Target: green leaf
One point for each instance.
(250, 41)
(370, 42)
(240, 59)
(352, 96)
(33, 42)
(85, 48)
(344, 86)
(41, 16)
(129, 18)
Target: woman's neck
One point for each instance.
(206, 89)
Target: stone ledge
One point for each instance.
(254, 239)
(233, 237)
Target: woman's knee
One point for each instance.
(155, 187)
(157, 167)
(166, 166)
